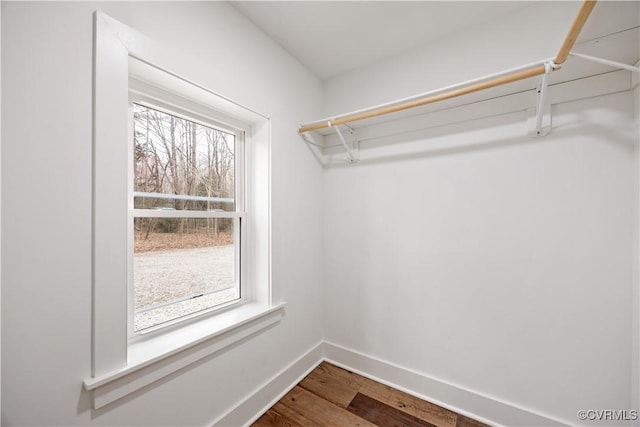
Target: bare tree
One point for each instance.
(177, 156)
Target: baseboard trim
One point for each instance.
(253, 406)
(479, 406)
(487, 409)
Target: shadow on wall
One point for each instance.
(475, 135)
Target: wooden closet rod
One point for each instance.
(520, 75)
(572, 36)
(574, 32)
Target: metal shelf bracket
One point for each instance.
(539, 120)
(606, 62)
(348, 146)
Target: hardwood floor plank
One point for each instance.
(332, 396)
(322, 381)
(313, 407)
(273, 418)
(407, 403)
(295, 416)
(382, 414)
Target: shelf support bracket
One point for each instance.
(540, 120)
(606, 62)
(314, 146)
(309, 139)
(348, 147)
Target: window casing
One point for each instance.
(121, 365)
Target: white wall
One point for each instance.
(486, 259)
(46, 210)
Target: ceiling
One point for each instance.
(331, 37)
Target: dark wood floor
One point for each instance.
(332, 396)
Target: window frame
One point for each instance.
(120, 366)
(158, 99)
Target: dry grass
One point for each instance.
(168, 241)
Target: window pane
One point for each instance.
(176, 157)
(182, 266)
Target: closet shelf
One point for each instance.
(437, 95)
(540, 68)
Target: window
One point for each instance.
(187, 215)
(141, 334)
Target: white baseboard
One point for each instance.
(487, 409)
(254, 405)
(475, 405)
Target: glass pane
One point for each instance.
(182, 266)
(191, 164)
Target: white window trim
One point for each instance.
(121, 366)
(169, 352)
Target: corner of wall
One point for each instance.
(461, 400)
(257, 403)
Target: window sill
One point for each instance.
(152, 359)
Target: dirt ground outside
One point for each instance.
(176, 276)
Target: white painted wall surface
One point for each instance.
(46, 210)
(489, 260)
(503, 267)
